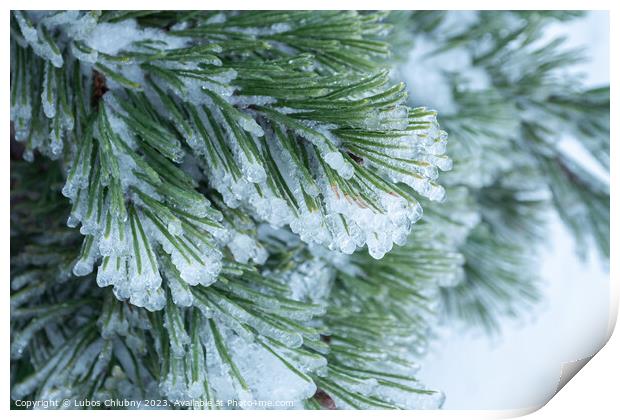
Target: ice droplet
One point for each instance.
(337, 162)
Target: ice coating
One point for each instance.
(152, 237)
(341, 221)
(337, 162)
(38, 41)
(347, 225)
(245, 248)
(111, 38)
(195, 266)
(48, 96)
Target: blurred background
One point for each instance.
(521, 366)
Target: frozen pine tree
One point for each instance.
(508, 98)
(228, 205)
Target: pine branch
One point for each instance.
(507, 104)
(182, 135)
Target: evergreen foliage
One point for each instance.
(506, 96)
(228, 205)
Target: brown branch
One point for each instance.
(324, 399)
(356, 158)
(99, 87)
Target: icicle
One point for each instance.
(49, 94)
(88, 255)
(173, 322)
(244, 248)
